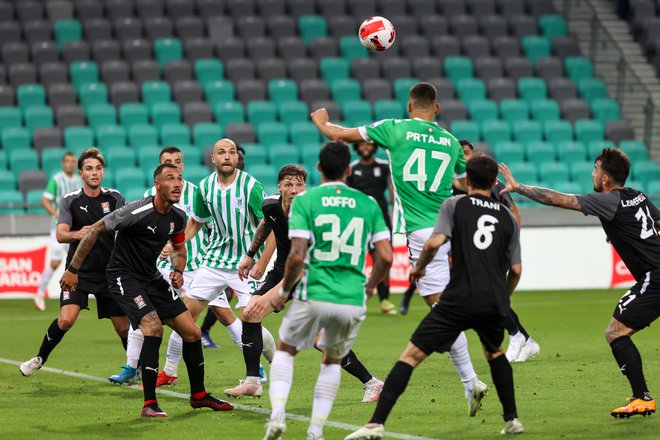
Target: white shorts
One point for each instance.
(437, 272)
(187, 281)
(209, 285)
(58, 251)
(338, 323)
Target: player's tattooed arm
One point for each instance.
(260, 235)
(542, 195)
(321, 119)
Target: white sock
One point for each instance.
(460, 357)
(174, 354)
(235, 330)
(325, 392)
(134, 347)
(269, 344)
(281, 378)
(45, 278)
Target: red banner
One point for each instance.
(20, 271)
(621, 276)
(400, 268)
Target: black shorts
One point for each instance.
(640, 306)
(440, 328)
(106, 306)
(138, 298)
(272, 279)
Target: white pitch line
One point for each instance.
(339, 425)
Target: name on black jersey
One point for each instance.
(633, 202)
(485, 204)
(338, 202)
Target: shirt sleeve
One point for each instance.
(514, 251)
(51, 190)
(257, 196)
(299, 221)
(601, 204)
(379, 230)
(150, 192)
(65, 216)
(445, 224)
(459, 167)
(379, 132)
(121, 201)
(200, 211)
(122, 218)
(655, 213)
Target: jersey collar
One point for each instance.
(333, 183)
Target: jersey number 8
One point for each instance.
(483, 237)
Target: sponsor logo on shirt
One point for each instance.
(357, 172)
(140, 302)
(171, 228)
(240, 202)
(377, 172)
(106, 207)
(84, 208)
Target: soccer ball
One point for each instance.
(376, 34)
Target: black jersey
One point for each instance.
(142, 233)
(485, 243)
(504, 199)
(277, 219)
(372, 180)
(628, 218)
(78, 210)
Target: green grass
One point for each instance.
(566, 392)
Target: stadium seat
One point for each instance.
(30, 95)
(208, 70)
(578, 68)
(581, 173)
(128, 177)
(357, 112)
(470, 89)
(605, 110)
(23, 160)
(174, 134)
(206, 134)
(292, 111)
(165, 113)
(256, 154)
(345, 90)
(567, 187)
(101, 114)
(553, 172)
(83, 72)
(495, 131)
(111, 136)
(482, 110)
(402, 88)
(90, 94)
(10, 117)
(384, 109)
(271, 133)
(594, 148)
(282, 90)
(155, 92)
(558, 131)
(167, 50)
(525, 172)
(570, 152)
(311, 27)
(77, 137)
(67, 31)
(120, 157)
(11, 202)
(552, 26)
(635, 150)
(33, 201)
(219, 91)
(142, 135)
(283, 154)
(15, 138)
(545, 110)
(351, 48)
(229, 112)
(591, 89)
(466, 130)
(261, 111)
(509, 152)
(532, 89)
(539, 152)
(646, 171)
(456, 68)
(536, 47)
(38, 117)
(513, 110)
(334, 68)
(133, 114)
(527, 131)
(587, 130)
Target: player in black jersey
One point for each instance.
(143, 227)
(630, 221)
(485, 246)
(78, 211)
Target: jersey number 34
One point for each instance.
(339, 239)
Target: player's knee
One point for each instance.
(121, 327)
(612, 333)
(192, 335)
(66, 322)
(225, 316)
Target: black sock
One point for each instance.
(124, 342)
(352, 365)
(502, 375)
(209, 320)
(253, 344)
(383, 291)
(149, 361)
(395, 385)
(518, 326)
(194, 359)
(630, 362)
(408, 294)
(52, 337)
(510, 324)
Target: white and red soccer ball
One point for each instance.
(376, 34)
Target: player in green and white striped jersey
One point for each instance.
(60, 184)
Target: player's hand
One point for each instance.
(320, 117)
(259, 269)
(512, 184)
(166, 251)
(369, 291)
(78, 235)
(244, 268)
(69, 281)
(176, 279)
(258, 307)
(415, 274)
(277, 303)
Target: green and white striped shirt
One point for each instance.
(234, 211)
(58, 186)
(197, 244)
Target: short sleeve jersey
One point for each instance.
(372, 180)
(235, 212)
(58, 186)
(339, 223)
(79, 210)
(504, 199)
(424, 158)
(278, 221)
(485, 242)
(141, 234)
(628, 218)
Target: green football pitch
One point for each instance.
(565, 392)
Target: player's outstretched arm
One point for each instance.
(542, 195)
(192, 228)
(334, 132)
(430, 249)
(382, 263)
(69, 279)
(64, 234)
(513, 277)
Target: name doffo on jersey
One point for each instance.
(485, 204)
(337, 201)
(633, 202)
(429, 139)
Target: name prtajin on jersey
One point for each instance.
(429, 139)
(633, 202)
(338, 202)
(485, 204)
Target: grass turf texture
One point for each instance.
(566, 392)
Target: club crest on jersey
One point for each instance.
(106, 207)
(140, 302)
(171, 228)
(377, 172)
(240, 202)
(65, 295)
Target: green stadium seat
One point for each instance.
(219, 91)
(38, 117)
(587, 130)
(133, 193)
(29, 95)
(466, 130)
(209, 70)
(578, 68)
(345, 90)
(386, 108)
(567, 187)
(304, 132)
(646, 171)
(92, 93)
(552, 26)
(558, 131)
(10, 117)
(311, 27)
(482, 110)
(133, 114)
(493, 132)
(67, 31)
(591, 89)
(532, 89)
(15, 138)
(402, 88)
(83, 72)
(128, 177)
(155, 92)
(605, 110)
(33, 201)
(509, 152)
(357, 112)
(140, 135)
(283, 154)
(109, 178)
(174, 134)
(653, 191)
(545, 110)
(310, 155)
(539, 152)
(51, 159)
(282, 90)
(23, 160)
(581, 172)
(167, 49)
(470, 89)
(525, 172)
(351, 48)
(334, 68)
(293, 111)
(76, 137)
(120, 157)
(11, 202)
(165, 113)
(195, 173)
(206, 134)
(513, 110)
(456, 68)
(271, 133)
(527, 131)
(569, 152)
(191, 154)
(536, 47)
(148, 157)
(8, 180)
(261, 111)
(229, 112)
(594, 148)
(111, 136)
(101, 114)
(553, 172)
(266, 174)
(256, 154)
(4, 160)
(635, 150)
(636, 184)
